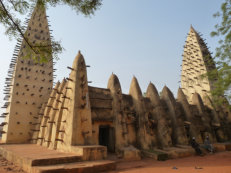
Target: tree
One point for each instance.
(10, 9)
(222, 74)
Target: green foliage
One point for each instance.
(222, 75)
(12, 10)
(86, 7)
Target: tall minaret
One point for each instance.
(197, 61)
(30, 82)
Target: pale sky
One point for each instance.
(126, 37)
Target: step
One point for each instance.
(228, 146)
(222, 147)
(156, 154)
(79, 167)
(28, 155)
(90, 152)
(179, 152)
(54, 161)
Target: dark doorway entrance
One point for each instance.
(187, 130)
(203, 133)
(107, 137)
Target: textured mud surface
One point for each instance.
(6, 166)
(214, 163)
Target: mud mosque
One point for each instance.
(73, 117)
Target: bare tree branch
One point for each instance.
(17, 27)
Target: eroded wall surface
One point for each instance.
(77, 114)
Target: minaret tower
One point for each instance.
(30, 82)
(197, 61)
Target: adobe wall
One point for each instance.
(197, 61)
(30, 82)
(72, 113)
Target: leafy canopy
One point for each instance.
(222, 75)
(12, 10)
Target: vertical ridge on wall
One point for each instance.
(46, 112)
(141, 116)
(160, 116)
(208, 131)
(58, 117)
(119, 119)
(177, 123)
(76, 121)
(194, 132)
(56, 106)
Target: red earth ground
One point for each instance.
(211, 163)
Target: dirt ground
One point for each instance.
(211, 163)
(8, 167)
